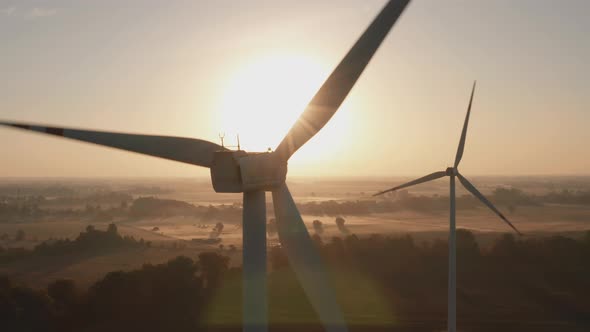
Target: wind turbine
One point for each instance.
(253, 174)
(453, 172)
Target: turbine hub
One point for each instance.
(240, 171)
(451, 171)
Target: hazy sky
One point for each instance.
(195, 68)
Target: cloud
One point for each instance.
(41, 12)
(8, 11)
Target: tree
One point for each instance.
(467, 246)
(20, 235)
(278, 259)
(63, 292)
(24, 309)
(505, 246)
(317, 239)
(213, 266)
(216, 231)
(211, 213)
(164, 297)
(318, 227)
(341, 227)
(112, 229)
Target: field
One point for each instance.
(174, 233)
(70, 207)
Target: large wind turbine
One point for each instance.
(254, 173)
(453, 172)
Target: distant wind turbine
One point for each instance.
(453, 172)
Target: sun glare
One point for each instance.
(265, 97)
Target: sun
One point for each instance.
(264, 98)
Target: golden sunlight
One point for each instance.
(265, 97)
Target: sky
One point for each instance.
(201, 68)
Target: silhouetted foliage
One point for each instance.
(535, 279)
(163, 297)
(63, 292)
(155, 298)
(20, 235)
(211, 213)
(542, 280)
(277, 258)
(91, 241)
(24, 309)
(216, 231)
(318, 227)
(341, 227)
(213, 266)
(154, 207)
(511, 196)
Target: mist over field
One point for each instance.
(65, 237)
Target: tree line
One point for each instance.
(105, 206)
(91, 241)
(514, 281)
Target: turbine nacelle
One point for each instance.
(241, 171)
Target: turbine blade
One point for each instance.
(471, 188)
(461, 147)
(306, 261)
(335, 89)
(187, 150)
(254, 262)
(429, 177)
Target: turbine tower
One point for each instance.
(254, 173)
(453, 172)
